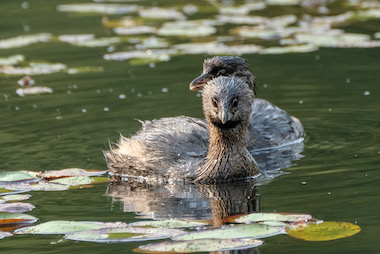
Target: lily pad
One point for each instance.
(16, 218)
(15, 197)
(98, 8)
(328, 230)
(24, 40)
(16, 207)
(257, 217)
(73, 180)
(11, 60)
(65, 227)
(4, 234)
(234, 232)
(39, 186)
(161, 13)
(33, 90)
(14, 176)
(123, 234)
(71, 172)
(170, 223)
(204, 245)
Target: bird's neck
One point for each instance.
(227, 157)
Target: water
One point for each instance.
(334, 92)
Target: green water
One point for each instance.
(334, 92)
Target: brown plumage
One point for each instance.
(269, 125)
(188, 148)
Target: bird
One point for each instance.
(189, 149)
(270, 126)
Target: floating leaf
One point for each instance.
(187, 28)
(123, 234)
(15, 197)
(39, 186)
(170, 223)
(98, 8)
(16, 218)
(74, 180)
(16, 207)
(11, 60)
(4, 192)
(71, 172)
(256, 217)
(234, 232)
(33, 90)
(14, 176)
(328, 230)
(161, 13)
(33, 69)
(199, 246)
(65, 227)
(24, 40)
(243, 9)
(135, 30)
(4, 234)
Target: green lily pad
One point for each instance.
(234, 232)
(15, 197)
(39, 186)
(16, 218)
(16, 207)
(329, 230)
(204, 245)
(123, 234)
(65, 227)
(256, 217)
(170, 224)
(15, 176)
(71, 172)
(73, 180)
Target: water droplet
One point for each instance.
(152, 65)
(84, 110)
(303, 183)
(328, 193)
(367, 93)
(106, 109)
(348, 80)
(330, 109)
(68, 91)
(164, 90)
(265, 85)
(17, 108)
(301, 101)
(58, 117)
(98, 91)
(122, 96)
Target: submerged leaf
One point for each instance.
(16, 218)
(234, 232)
(204, 245)
(123, 234)
(170, 223)
(328, 230)
(65, 227)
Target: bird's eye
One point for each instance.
(221, 72)
(235, 102)
(215, 102)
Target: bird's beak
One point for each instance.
(198, 83)
(225, 115)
